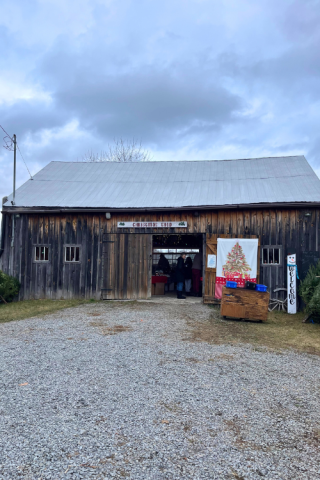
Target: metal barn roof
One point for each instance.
(180, 184)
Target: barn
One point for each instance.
(96, 230)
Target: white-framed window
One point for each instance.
(41, 253)
(71, 253)
(272, 255)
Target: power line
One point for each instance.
(7, 140)
(9, 146)
(6, 132)
(24, 161)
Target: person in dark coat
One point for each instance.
(188, 275)
(163, 264)
(180, 275)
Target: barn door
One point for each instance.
(127, 266)
(210, 273)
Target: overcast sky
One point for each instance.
(195, 79)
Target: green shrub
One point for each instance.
(309, 290)
(9, 287)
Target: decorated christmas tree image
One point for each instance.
(236, 264)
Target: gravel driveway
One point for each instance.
(116, 390)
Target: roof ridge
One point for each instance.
(186, 161)
(175, 181)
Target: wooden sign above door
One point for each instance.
(181, 224)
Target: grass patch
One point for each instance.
(280, 331)
(34, 308)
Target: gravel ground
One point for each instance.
(116, 390)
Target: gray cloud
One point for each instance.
(196, 79)
(155, 105)
(31, 116)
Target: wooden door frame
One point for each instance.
(204, 263)
(203, 252)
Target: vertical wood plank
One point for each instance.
(234, 224)
(247, 222)
(213, 225)
(28, 267)
(150, 243)
(126, 248)
(221, 222)
(240, 223)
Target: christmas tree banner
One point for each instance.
(236, 261)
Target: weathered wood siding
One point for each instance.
(55, 278)
(290, 228)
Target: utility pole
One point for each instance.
(14, 168)
(13, 201)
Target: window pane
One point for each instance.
(67, 254)
(41, 254)
(77, 254)
(72, 254)
(265, 255)
(270, 255)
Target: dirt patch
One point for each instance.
(106, 330)
(313, 438)
(234, 427)
(238, 477)
(114, 330)
(222, 356)
(193, 360)
(107, 459)
(171, 407)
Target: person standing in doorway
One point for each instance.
(163, 264)
(188, 275)
(196, 273)
(180, 275)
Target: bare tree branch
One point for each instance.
(120, 151)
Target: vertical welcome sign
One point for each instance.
(292, 283)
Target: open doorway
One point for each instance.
(166, 250)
